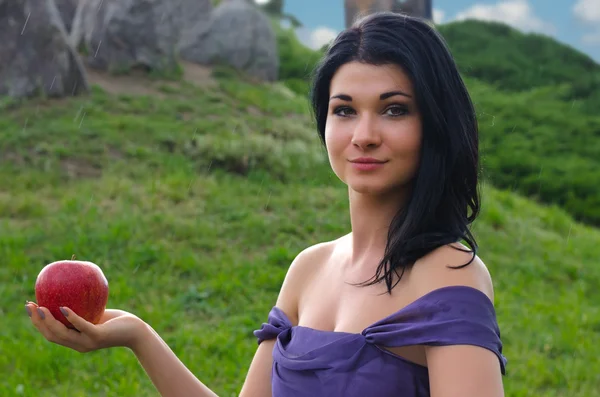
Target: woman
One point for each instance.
(397, 307)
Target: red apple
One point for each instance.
(78, 285)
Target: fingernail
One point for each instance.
(63, 311)
(28, 310)
(41, 313)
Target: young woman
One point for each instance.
(399, 306)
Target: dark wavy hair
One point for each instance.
(445, 197)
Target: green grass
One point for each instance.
(195, 204)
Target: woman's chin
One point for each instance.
(375, 188)
(368, 189)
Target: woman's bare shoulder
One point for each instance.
(312, 258)
(303, 268)
(438, 269)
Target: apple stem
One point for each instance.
(73, 257)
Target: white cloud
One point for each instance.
(316, 38)
(587, 11)
(438, 15)
(321, 36)
(261, 2)
(517, 13)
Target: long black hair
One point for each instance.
(445, 197)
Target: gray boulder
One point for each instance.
(35, 54)
(67, 8)
(123, 34)
(239, 35)
(193, 19)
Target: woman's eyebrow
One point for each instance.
(393, 93)
(385, 95)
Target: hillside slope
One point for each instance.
(541, 147)
(193, 201)
(512, 60)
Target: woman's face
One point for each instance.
(372, 113)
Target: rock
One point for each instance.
(238, 35)
(194, 18)
(120, 35)
(67, 8)
(76, 32)
(35, 52)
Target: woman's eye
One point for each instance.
(342, 111)
(395, 111)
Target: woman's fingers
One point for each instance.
(38, 318)
(54, 331)
(80, 323)
(115, 328)
(56, 327)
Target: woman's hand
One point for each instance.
(116, 328)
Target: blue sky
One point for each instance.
(574, 22)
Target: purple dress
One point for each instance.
(314, 363)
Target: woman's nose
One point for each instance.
(366, 133)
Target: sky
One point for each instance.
(573, 22)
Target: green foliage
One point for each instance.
(542, 147)
(296, 60)
(585, 91)
(511, 60)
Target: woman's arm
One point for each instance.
(168, 374)
(458, 370)
(463, 371)
(172, 378)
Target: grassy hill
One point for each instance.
(541, 147)
(512, 60)
(195, 195)
(537, 101)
